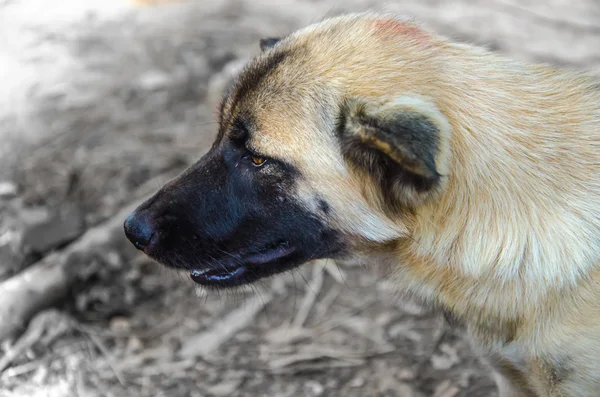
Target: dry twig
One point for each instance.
(209, 341)
(312, 291)
(49, 280)
(45, 327)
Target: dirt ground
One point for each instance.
(101, 102)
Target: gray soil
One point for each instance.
(97, 99)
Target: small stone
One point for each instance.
(132, 275)
(357, 382)
(154, 80)
(33, 215)
(406, 374)
(313, 388)
(134, 344)
(8, 190)
(120, 325)
(113, 260)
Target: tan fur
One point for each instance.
(509, 242)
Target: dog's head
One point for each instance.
(329, 141)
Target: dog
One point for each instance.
(473, 178)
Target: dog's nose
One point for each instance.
(138, 229)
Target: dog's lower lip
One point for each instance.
(235, 273)
(211, 276)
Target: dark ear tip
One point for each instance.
(268, 42)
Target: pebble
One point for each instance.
(314, 389)
(406, 374)
(8, 190)
(154, 80)
(56, 230)
(120, 325)
(134, 344)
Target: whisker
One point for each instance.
(307, 283)
(337, 265)
(220, 264)
(315, 251)
(295, 293)
(240, 262)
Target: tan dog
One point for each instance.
(473, 177)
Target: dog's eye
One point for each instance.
(257, 160)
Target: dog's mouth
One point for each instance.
(234, 270)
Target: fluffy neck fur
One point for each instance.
(520, 214)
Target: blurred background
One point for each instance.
(103, 101)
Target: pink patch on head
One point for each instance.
(392, 27)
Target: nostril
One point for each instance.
(138, 230)
(140, 244)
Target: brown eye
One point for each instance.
(258, 161)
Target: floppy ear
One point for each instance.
(403, 144)
(268, 42)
